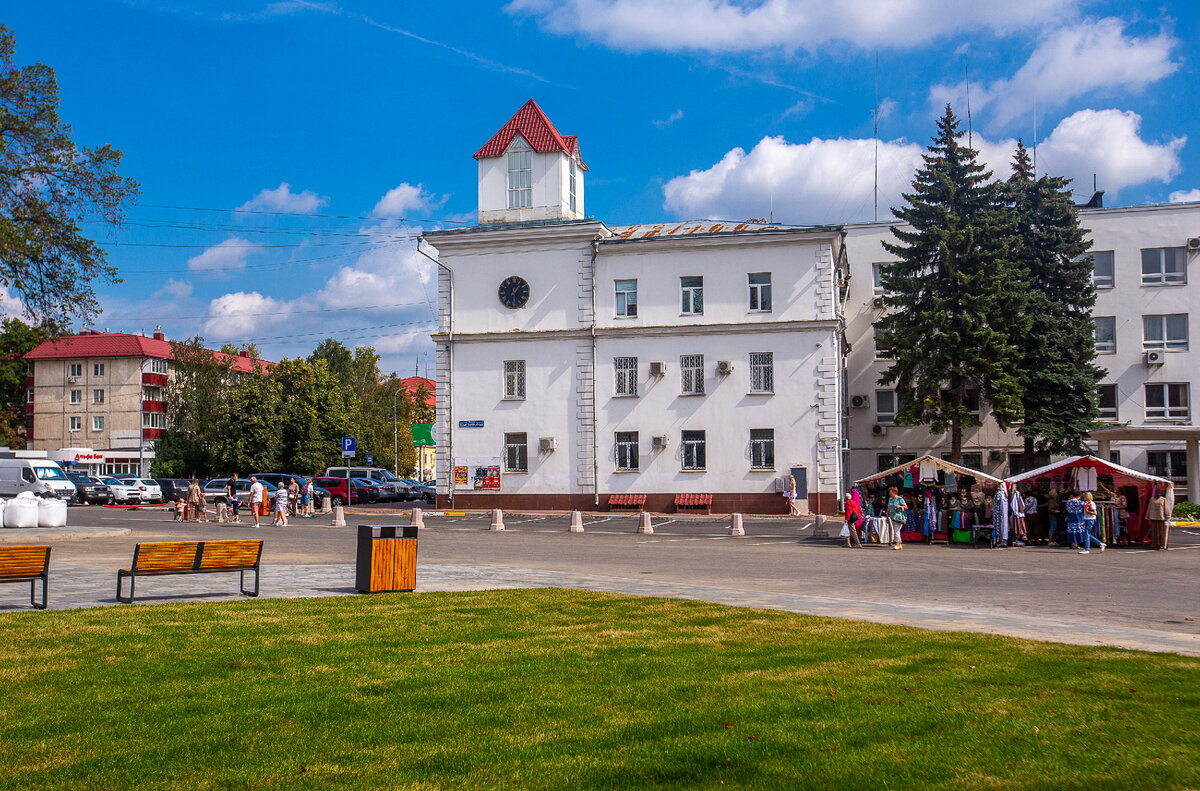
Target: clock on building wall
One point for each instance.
(514, 292)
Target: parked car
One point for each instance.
(363, 491)
(89, 489)
(419, 491)
(173, 488)
(390, 487)
(282, 478)
(214, 490)
(123, 491)
(41, 476)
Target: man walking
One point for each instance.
(256, 498)
(231, 496)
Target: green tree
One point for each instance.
(1057, 352)
(313, 416)
(49, 187)
(196, 406)
(955, 295)
(251, 423)
(16, 339)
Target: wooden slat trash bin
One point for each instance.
(387, 560)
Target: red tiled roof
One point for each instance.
(413, 382)
(120, 344)
(538, 132)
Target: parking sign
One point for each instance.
(348, 444)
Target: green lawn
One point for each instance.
(568, 689)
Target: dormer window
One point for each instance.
(572, 165)
(520, 174)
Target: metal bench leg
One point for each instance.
(33, 588)
(242, 582)
(130, 599)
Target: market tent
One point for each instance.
(942, 464)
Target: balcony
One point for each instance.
(154, 380)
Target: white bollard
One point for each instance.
(644, 525)
(418, 518)
(735, 525)
(497, 519)
(576, 522)
(222, 513)
(339, 517)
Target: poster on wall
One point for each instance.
(477, 475)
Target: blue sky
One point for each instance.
(368, 113)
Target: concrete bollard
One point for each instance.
(497, 519)
(576, 522)
(820, 526)
(644, 525)
(339, 517)
(326, 505)
(222, 513)
(735, 525)
(418, 518)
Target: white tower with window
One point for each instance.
(529, 172)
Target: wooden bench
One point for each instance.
(693, 502)
(26, 564)
(623, 502)
(193, 557)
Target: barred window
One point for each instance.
(762, 448)
(692, 443)
(691, 374)
(760, 291)
(762, 372)
(516, 452)
(627, 450)
(514, 379)
(627, 375)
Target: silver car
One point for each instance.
(123, 491)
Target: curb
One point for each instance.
(20, 535)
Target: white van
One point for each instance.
(40, 476)
(390, 487)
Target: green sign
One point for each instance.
(422, 434)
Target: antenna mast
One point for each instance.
(967, 73)
(876, 115)
(1035, 138)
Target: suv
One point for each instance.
(123, 491)
(89, 489)
(390, 487)
(364, 490)
(173, 488)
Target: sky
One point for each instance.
(290, 152)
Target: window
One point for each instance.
(627, 375)
(152, 394)
(970, 400)
(760, 291)
(972, 460)
(1164, 266)
(885, 461)
(97, 396)
(880, 354)
(571, 178)
(514, 379)
(693, 450)
(520, 175)
(1103, 268)
(691, 374)
(1165, 332)
(1170, 464)
(1105, 332)
(97, 369)
(76, 397)
(692, 290)
(762, 372)
(1106, 397)
(627, 450)
(29, 397)
(516, 452)
(76, 423)
(154, 420)
(887, 404)
(75, 370)
(158, 367)
(626, 298)
(762, 448)
(1167, 401)
(98, 423)
(877, 282)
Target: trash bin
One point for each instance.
(387, 560)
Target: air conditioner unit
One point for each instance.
(1156, 357)
(724, 367)
(658, 369)
(879, 430)
(1194, 243)
(547, 443)
(877, 303)
(73, 379)
(860, 401)
(661, 441)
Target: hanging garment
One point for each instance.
(928, 471)
(931, 513)
(1017, 505)
(1000, 516)
(1085, 479)
(908, 479)
(951, 482)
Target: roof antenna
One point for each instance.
(1035, 138)
(875, 112)
(970, 139)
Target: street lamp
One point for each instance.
(395, 435)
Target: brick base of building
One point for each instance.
(771, 503)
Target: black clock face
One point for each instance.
(514, 292)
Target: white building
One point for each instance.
(579, 361)
(1143, 312)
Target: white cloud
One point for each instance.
(663, 123)
(832, 181)
(403, 343)
(241, 315)
(385, 274)
(282, 199)
(405, 198)
(1184, 196)
(11, 307)
(1069, 62)
(179, 289)
(227, 257)
(751, 25)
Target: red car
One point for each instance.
(363, 492)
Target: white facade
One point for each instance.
(550, 179)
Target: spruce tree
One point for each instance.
(956, 297)
(1060, 378)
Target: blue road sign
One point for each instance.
(348, 444)
(370, 461)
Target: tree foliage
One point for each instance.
(17, 338)
(954, 294)
(49, 187)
